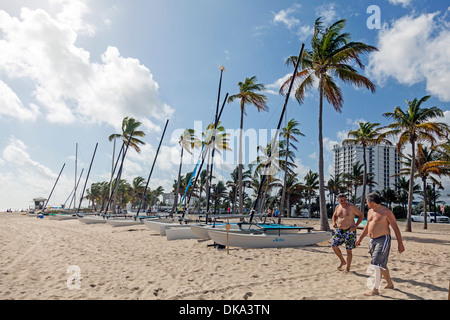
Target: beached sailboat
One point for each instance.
(182, 230)
(256, 235)
(263, 239)
(102, 217)
(42, 212)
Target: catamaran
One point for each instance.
(264, 239)
(256, 235)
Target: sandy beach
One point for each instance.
(39, 256)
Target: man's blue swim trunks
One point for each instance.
(344, 236)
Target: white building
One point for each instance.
(383, 161)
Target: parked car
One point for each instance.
(430, 218)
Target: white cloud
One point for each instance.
(72, 14)
(404, 3)
(11, 105)
(28, 179)
(274, 88)
(284, 17)
(327, 12)
(68, 86)
(414, 50)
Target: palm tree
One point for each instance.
(214, 140)
(311, 185)
(187, 142)
(414, 125)
(289, 133)
(354, 178)
(335, 186)
(366, 135)
(233, 184)
(248, 94)
(330, 56)
(389, 196)
(426, 163)
(402, 187)
(129, 126)
(291, 187)
(138, 186)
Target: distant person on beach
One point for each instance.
(276, 213)
(379, 218)
(344, 222)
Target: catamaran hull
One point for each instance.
(253, 240)
(61, 217)
(159, 225)
(115, 223)
(179, 232)
(201, 231)
(92, 219)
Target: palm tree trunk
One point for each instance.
(283, 193)
(411, 188)
(324, 225)
(116, 189)
(207, 186)
(263, 200)
(240, 164)
(175, 201)
(235, 200)
(363, 195)
(425, 222)
(309, 207)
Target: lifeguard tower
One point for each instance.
(38, 203)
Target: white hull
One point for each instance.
(179, 232)
(201, 230)
(92, 219)
(123, 222)
(61, 217)
(262, 240)
(159, 225)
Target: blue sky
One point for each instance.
(70, 71)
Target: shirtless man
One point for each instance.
(379, 218)
(344, 222)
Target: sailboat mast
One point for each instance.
(87, 178)
(151, 171)
(109, 192)
(43, 209)
(213, 152)
(73, 192)
(273, 144)
(75, 186)
(203, 155)
(116, 183)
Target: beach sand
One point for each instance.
(133, 263)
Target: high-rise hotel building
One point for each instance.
(383, 161)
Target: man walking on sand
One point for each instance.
(379, 218)
(344, 222)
